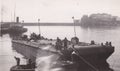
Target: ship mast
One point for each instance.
(74, 27)
(1, 11)
(15, 12)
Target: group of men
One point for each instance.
(61, 43)
(33, 36)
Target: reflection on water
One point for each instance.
(6, 56)
(48, 63)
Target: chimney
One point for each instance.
(17, 19)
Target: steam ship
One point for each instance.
(12, 27)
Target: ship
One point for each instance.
(91, 56)
(16, 28)
(12, 27)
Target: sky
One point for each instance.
(56, 10)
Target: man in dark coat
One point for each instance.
(17, 60)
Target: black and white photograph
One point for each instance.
(59, 35)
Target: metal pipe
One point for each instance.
(74, 26)
(39, 26)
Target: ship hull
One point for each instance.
(21, 68)
(90, 57)
(17, 30)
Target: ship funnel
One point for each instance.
(17, 19)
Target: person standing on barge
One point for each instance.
(17, 60)
(65, 41)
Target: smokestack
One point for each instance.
(17, 19)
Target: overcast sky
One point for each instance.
(56, 10)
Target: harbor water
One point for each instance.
(99, 34)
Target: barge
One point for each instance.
(72, 52)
